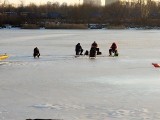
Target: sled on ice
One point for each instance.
(3, 56)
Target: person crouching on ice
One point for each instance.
(78, 49)
(92, 52)
(113, 49)
(95, 45)
(36, 52)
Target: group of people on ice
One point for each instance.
(95, 50)
(79, 51)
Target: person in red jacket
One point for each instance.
(113, 49)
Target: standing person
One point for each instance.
(36, 52)
(113, 49)
(78, 49)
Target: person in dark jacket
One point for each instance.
(78, 49)
(113, 49)
(95, 45)
(92, 52)
(36, 52)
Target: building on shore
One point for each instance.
(92, 2)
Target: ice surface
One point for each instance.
(60, 86)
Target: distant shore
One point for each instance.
(79, 26)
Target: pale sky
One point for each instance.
(45, 1)
(15, 2)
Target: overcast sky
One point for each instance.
(45, 1)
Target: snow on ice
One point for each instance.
(60, 86)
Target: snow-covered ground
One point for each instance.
(60, 86)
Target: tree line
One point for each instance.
(129, 14)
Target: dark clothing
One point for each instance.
(94, 45)
(36, 52)
(86, 53)
(113, 49)
(78, 49)
(92, 52)
(97, 49)
(114, 46)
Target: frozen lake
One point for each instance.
(60, 86)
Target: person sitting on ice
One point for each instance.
(113, 49)
(36, 52)
(95, 45)
(78, 49)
